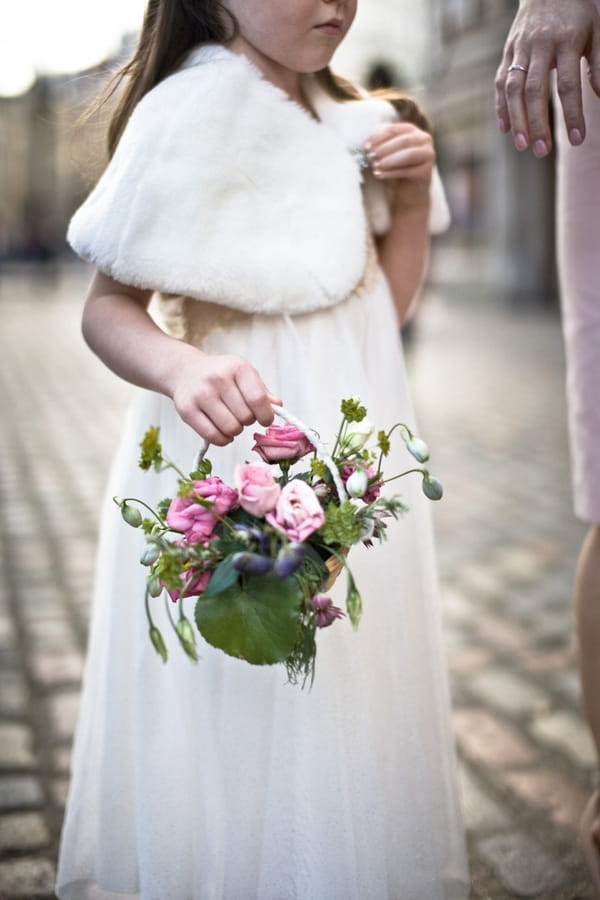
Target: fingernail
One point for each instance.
(521, 142)
(372, 155)
(575, 136)
(368, 145)
(540, 149)
(376, 172)
(503, 125)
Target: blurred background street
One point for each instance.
(488, 385)
(487, 368)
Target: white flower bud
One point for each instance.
(357, 483)
(357, 435)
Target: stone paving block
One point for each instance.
(481, 811)
(466, 660)
(20, 791)
(522, 865)
(59, 789)
(551, 791)
(567, 683)
(545, 661)
(508, 691)
(490, 741)
(54, 668)
(8, 632)
(27, 877)
(52, 634)
(61, 760)
(23, 831)
(63, 707)
(14, 693)
(567, 732)
(16, 746)
(503, 634)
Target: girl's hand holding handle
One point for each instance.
(218, 396)
(403, 153)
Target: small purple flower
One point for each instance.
(251, 563)
(289, 559)
(324, 611)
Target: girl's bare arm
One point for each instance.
(216, 395)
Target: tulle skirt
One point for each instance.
(220, 781)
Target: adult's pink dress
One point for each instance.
(578, 235)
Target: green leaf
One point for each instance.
(150, 446)
(256, 620)
(222, 578)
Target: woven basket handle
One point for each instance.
(322, 452)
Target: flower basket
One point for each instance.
(257, 559)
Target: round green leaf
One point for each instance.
(255, 620)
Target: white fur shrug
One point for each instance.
(223, 189)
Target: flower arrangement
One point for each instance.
(260, 557)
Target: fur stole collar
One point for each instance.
(224, 189)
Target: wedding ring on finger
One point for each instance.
(517, 68)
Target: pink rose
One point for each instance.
(298, 512)
(193, 582)
(197, 522)
(280, 442)
(257, 489)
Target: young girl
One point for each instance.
(280, 269)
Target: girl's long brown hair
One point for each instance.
(171, 28)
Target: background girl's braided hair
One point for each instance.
(171, 28)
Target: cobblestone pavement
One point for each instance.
(488, 385)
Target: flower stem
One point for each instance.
(408, 472)
(141, 503)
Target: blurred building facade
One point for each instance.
(502, 239)
(48, 161)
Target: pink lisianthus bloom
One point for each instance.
(258, 491)
(281, 442)
(193, 582)
(373, 491)
(298, 512)
(197, 522)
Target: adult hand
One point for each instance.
(546, 34)
(403, 153)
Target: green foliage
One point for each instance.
(223, 577)
(353, 410)
(341, 525)
(318, 468)
(383, 442)
(203, 470)
(148, 525)
(255, 620)
(151, 448)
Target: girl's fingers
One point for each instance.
(416, 173)
(256, 395)
(205, 427)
